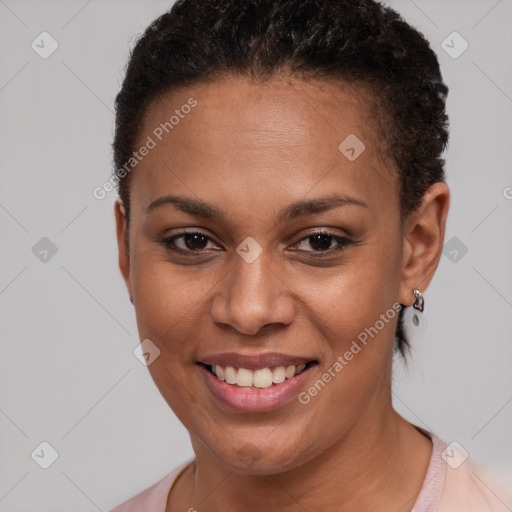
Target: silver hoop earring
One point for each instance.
(419, 302)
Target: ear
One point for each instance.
(122, 244)
(424, 232)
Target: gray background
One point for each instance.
(67, 372)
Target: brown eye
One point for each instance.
(322, 242)
(195, 241)
(187, 242)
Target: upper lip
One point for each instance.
(254, 362)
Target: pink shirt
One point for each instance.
(445, 488)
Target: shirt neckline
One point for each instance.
(429, 497)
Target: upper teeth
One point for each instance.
(261, 378)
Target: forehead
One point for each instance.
(277, 138)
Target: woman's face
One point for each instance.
(256, 172)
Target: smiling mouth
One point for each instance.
(257, 379)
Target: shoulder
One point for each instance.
(154, 498)
(471, 489)
(454, 483)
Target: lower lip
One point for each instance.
(255, 400)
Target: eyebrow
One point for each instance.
(199, 208)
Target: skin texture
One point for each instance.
(251, 149)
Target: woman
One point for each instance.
(282, 200)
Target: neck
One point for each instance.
(380, 463)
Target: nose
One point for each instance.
(252, 296)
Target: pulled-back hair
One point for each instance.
(355, 41)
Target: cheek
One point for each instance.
(351, 297)
(168, 308)
(167, 295)
(355, 310)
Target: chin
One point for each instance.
(260, 458)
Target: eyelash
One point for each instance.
(342, 241)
